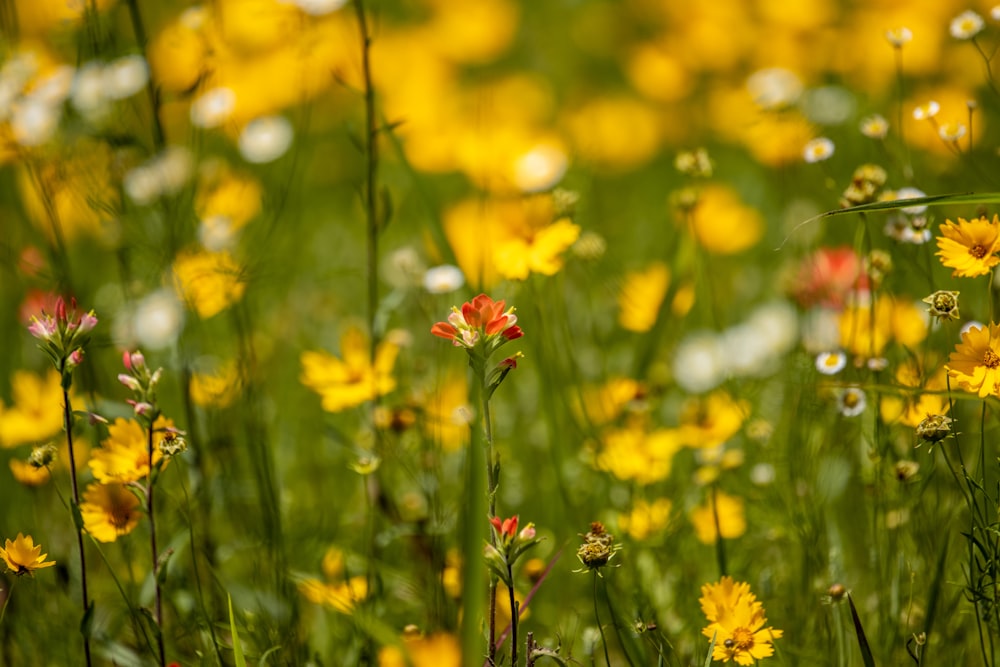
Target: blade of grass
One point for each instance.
(866, 650)
(237, 647)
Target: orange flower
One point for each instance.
(479, 319)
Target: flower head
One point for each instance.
(598, 548)
(966, 25)
(817, 150)
(109, 511)
(875, 126)
(899, 36)
(354, 378)
(975, 363)
(736, 622)
(23, 556)
(943, 304)
(64, 335)
(969, 246)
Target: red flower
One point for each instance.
(479, 319)
(506, 529)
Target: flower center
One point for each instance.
(118, 517)
(850, 399)
(990, 359)
(742, 639)
(978, 251)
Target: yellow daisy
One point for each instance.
(736, 622)
(969, 247)
(124, 456)
(351, 380)
(109, 511)
(23, 556)
(975, 363)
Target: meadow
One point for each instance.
(499, 332)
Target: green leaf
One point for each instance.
(711, 650)
(87, 622)
(866, 650)
(237, 647)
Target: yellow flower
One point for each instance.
(736, 623)
(911, 408)
(975, 363)
(72, 190)
(225, 193)
(447, 412)
(208, 281)
(217, 389)
(340, 596)
(124, 457)
(709, 421)
(27, 474)
(37, 412)
(645, 518)
(640, 297)
(109, 511)
(617, 133)
(23, 556)
(437, 650)
(732, 519)
(723, 224)
(351, 380)
(902, 321)
(969, 247)
(631, 453)
(605, 403)
(540, 251)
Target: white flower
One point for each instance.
(995, 13)
(966, 25)
(165, 174)
(925, 111)
(54, 88)
(541, 168)
(874, 126)
(899, 36)
(157, 320)
(125, 77)
(909, 192)
(265, 139)
(817, 150)
(851, 401)
(319, 7)
(216, 233)
(774, 88)
(831, 363)
(34, 121)
(952, 131)
(703, 359)
(213, 107)
(443, 279)
(87, 95)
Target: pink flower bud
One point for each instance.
(129, 382)
(60, 310)
(87, 323)
(75, 359)
(528, 532)
(127, 360)
(43, 329)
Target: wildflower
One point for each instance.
(934, 428)
(265, 139)
(340, 596)
(943, 304)
(598, 548)
(481, 324)
(831, 363)
(591, 246)
(218, 388)
(828, 276)
(952, 131)
(906, 470)
(641, 295)
(926, 111)
(436, 650)
(157, 319)
(817, 150)
(709, 421)
(874, 126)
(109, 511)
(866, 183)
(646, 519)
(505, 529)
(37, 410)
(539, 168)
(632, 454)
(899, 36)
(124, 457)
(63, 335)
(736, 622)
(723, 223)
(969, 246)
(851, 401)
(975, 363)
(23, 556)
(723, 510)
(210, 282)
(443, 279)
(162, 175)
(966, 25)
(172, 443)
(901, 321)
(995, 13)
(539, 251)
(695, 164)
(352, 379)
(920, 397)
(213, 107)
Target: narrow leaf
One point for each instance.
(866, 650)
(237, 647)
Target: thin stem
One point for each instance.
(158, 610)
(514, 611)
(600, 628)
(68, 424)
(6, 600)
(491, 491)
(720, 545)
(159, 138)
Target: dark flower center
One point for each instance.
(978, 251)
(990, 359)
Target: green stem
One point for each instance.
(513, 617)
(600, 628)
(77, 520)
(6, 600)
(159, 138)
(154, 554)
